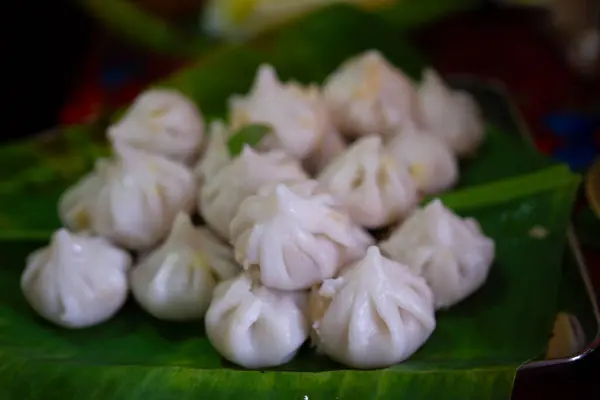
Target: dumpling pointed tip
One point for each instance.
(159, 94)
(372, 261)
(369, 141)
(430, 73)
(372, 55)
(181, 227)
(62, 234)
(217, 127)
(283, 195)
(432, 77)
(248, 151)
(435, 203)
(435, 207)
(112, 131)
(62, 242)
(267, 70)
(373, 252)
(182, 218)
(266, 76)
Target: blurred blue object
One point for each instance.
(577, 130)
(114, 75)
(571, 126)
(579, 157)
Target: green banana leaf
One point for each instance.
(408, 14)
(126, 19)
(474, 353)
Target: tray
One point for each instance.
(578, 295)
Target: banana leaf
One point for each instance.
(473, 354)
(125, 18)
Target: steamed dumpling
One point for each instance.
(221, 196)
(74, 205)
(295, 113)
(450, 252)
(216, 155)
(254, 326)
(175, 281)
(77, 281)
(366, 94)
(429, 160)
(295, 236)
(376, 314)
(163, 122)
(372, 187)
(141, 195)
(452, 115)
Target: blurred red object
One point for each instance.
(548, 145)
(86, 101)
(93, 96)
(86, 105)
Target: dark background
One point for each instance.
(46, 43)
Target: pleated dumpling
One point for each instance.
(366, 94)
(216, 155)
(75, 204)
(254, 326)
(451, 253)
(295, 236)
(164, 122)
(141, 195)
(175, 281)
(429, 160)
(77, 281)
(454, 116)
(371, 186)
(377, 313)
(295, 113)
(221, 196)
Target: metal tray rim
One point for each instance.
(572, 239)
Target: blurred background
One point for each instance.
(75, 59)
